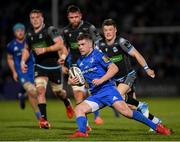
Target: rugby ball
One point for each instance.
(76, 72)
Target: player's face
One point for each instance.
(109, 32)
(74, 18)
(20, 34)
(85, 46)
(36, 20)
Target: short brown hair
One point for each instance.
(73, 8)
(109, 22)
(84, 36)
(36, 11)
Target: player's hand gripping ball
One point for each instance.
(76, 72)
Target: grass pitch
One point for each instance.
(17, 124)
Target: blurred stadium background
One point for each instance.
(153, 27)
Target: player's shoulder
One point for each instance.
(122, 41)
(88, 25)
(97, 52)
(11, 43)
(66, 29)
(102, 42)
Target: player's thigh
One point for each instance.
(123, 89)
(79, 93)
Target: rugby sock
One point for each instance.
(66, 101)
(96, 114)
(38, 115)
(81, 122)
(132, 101)
(42, 108)
(141, 118)
(156, 120)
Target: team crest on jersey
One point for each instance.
(105, 59)
(86, 67)
(70, 35)
(22, 80)
(85, 29)
(80, 33)
(29, 34)
(115, 49)
(91, 60)
(15, 48)
(65, 31)
(40, 36)
(102, 44)
(32, 38)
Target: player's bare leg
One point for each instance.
(123, 108)
(41, 84)
(32, 96)
(61, 93)
(81, 120)
(125, 90)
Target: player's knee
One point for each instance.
(31, 89)
(79, 110)
(62, 94)
(41, 85)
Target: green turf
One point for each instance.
(17, 124)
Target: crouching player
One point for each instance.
(14, 53)
(98, 71)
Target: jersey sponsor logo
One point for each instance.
(117, 58)
(74, 45)
(15, 48)
(39, 45)
(40, 36)
(89, 70)
(106, 59)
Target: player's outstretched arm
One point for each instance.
(142, 62)
(112, 70)
(10, 62)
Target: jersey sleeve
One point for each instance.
(8, 49)
(94, 33)
(54, 33)
(103, 59)
(125, 45)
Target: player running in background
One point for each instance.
(98, 70)
(76, 27)
(14, 53)
(45, 42)
(119, 50)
